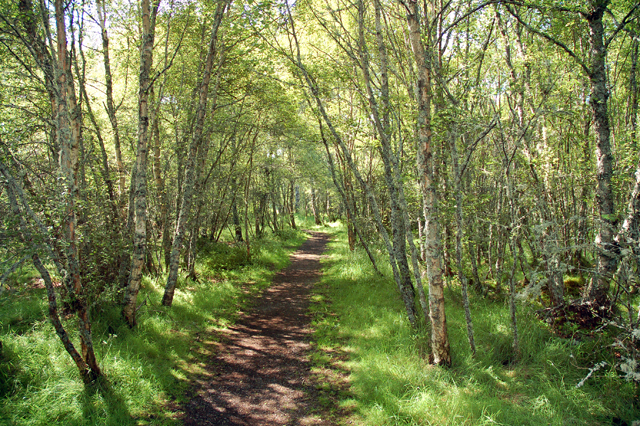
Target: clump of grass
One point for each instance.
(392, 383)
(146, 370)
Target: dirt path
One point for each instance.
(261, 372)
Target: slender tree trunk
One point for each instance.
(68, 120)
(421, 240)
(633, 90)
(313, 87)
(598, 288)
(348, 202)
(54, 316)
(149, 13)
(474, 268)
(88, 374)
(106, 172)
(246, 199)
(195, 146)
(459, 229)
(163, 197)
(440, 354)
(549, 239)
(292, 206)
(108, 80)
(58, 78)
(512, 300)
(380, 116)
(314, 205)
(347, 205)
(274, 199)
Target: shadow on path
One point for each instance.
(260, 373)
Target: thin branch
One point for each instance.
(622, 24)
(546, 36)
(472, 148)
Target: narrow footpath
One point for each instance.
(260, 371)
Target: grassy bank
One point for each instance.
(147, 370)
(361, 330)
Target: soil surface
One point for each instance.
(260, 373)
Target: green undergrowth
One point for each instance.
(147, 370)
(377, 370)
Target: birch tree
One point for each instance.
(194, 147)
(51, 54)
(139, 181)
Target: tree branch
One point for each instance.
(622, 24)
(546, 36)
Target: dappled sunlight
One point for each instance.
(258, 374)
(392, 382)
(146, 369)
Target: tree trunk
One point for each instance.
(607, 251)
(440, 354)
(459, 229)
(311, 84)
(149, 13)
(633, 90)
(87, 373)
(348, 202)
(58, 79)
(345, 200)
(292, 206)
(314, 205)
(549, 236)
(236, 220)
(108, 81)
(195, 146)
(68, 121)
(380, 115)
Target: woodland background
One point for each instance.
(480, 151)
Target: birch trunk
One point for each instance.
(314, 205)
(87, 373)
(380, 115)
(195, 146)
(598, 288)
(550, 241)
(56, 67)
(292, 206)
(348, 206)
(54, 316)
(440, 351)
(68, 121)
(313, 88)
(108, 81)
(149, 12)
(459, 229)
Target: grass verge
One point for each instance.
(148, 369)
(376, 369)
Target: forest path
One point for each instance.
(260, 372)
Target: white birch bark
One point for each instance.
(149, 13)
(440, 351)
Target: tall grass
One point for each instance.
(360, 326)
(148, 369)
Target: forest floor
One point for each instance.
(259, 372)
